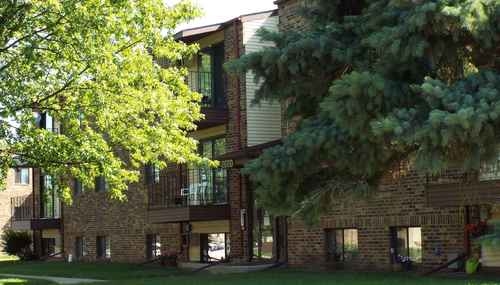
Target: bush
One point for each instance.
(17, 243)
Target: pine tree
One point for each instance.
(376, 82)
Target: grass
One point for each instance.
(115, 271)
(123, 274)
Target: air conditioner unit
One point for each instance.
(184, 191)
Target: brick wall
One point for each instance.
(399, 201)
(236, 138)
(289, 14)
(12, 190)
(94, 214)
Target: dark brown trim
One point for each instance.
(45, 224)
(242, 156)
(213, 117)
(189, 214)
(454, 194)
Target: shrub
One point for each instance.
(17, 243)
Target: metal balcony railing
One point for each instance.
(203, 83)
(189, 187)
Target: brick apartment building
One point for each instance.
(16, 200)
(205, 215)
(31, 203)
(409, 215)
(199, 214)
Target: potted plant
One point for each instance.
(472, 264)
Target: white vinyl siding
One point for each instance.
(264, 119)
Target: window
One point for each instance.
(152, 174)
(406, 242)
(156, 174)
(100, 184)
(153, 246)
(50, 206)
(78, 187)
(103, 246)
(80, 247)
(22, 176)
(342, 244)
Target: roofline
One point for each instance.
(208, 29)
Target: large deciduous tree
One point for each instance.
(91, 66)
(373, 83)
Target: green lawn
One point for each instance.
(121, 274)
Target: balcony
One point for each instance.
(455, 187)
(198, 194)
(21, 212)
(213, 102)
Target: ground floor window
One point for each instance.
(153, 246)
(103, 247)
(406, 243)
(80, 247)
(263, 238)
(342, 244)
(48, 246)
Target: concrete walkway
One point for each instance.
(57, 280)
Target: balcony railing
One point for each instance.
(189, 187)
(21, 208)
(203, 83)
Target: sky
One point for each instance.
(217, 11)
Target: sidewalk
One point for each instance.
(58, 280)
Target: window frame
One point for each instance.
(18, 176)
(394, 243)
(331, 236)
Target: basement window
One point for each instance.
(103, 247)
(342, 244)
(406, 242)
(80, 248)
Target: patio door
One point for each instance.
(213, 247)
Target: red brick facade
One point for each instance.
(125, 223)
